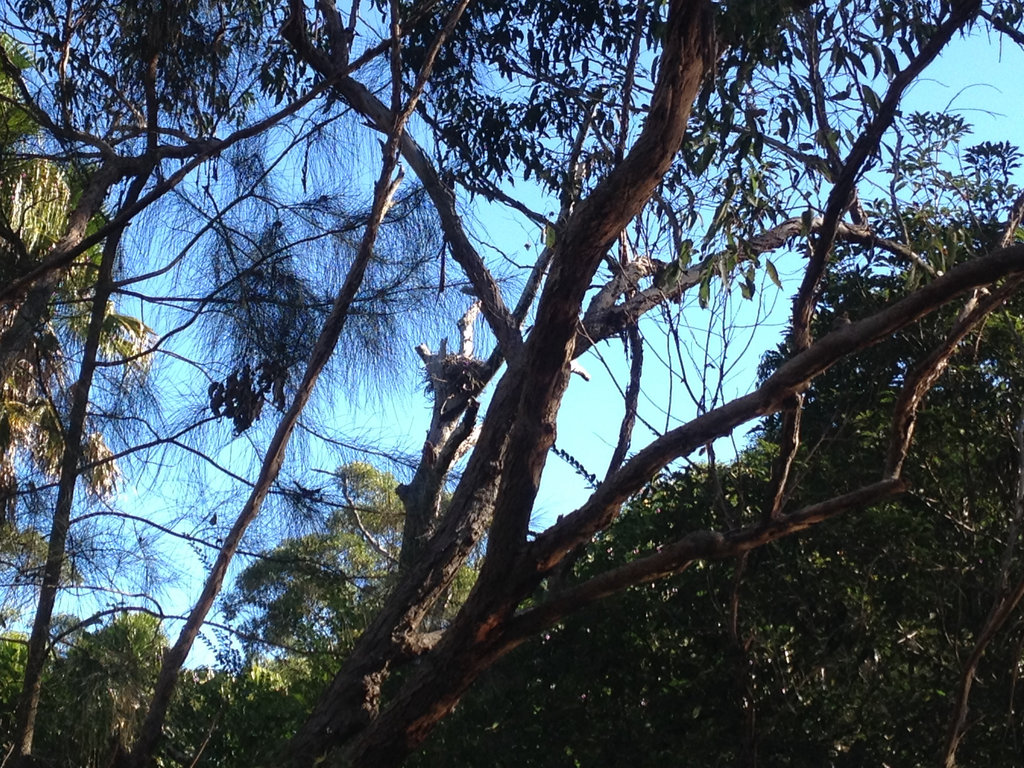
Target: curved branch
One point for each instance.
(605, 318)
(698, 545)
(791, 377)
(632, 397)
(927, 372)
(839, 199)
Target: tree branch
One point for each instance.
(699, 545)
(636, 366)
(920, 380)
(791, 377)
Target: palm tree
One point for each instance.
(36, 197)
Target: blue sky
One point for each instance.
(974, 78)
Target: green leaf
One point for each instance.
(871, 99)
(747, 288)
(704, 293)
(773, 273)
(685, 254)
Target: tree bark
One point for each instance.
(501, 479)
(39, 639)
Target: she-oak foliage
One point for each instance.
(282, 191)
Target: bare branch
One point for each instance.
(789, 443)
(927, 372)
(636, 365)
(352, 508)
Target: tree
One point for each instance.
(677, 146)
(314, 594)
(846, 646)
(95, 688)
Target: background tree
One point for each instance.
(315, 593)
(94, 689)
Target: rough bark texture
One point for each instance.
(501, 479)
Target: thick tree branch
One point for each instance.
(175, 656)
(1011, 32)
(74, 432)
(698, 545)
(608, 314)
(477, 640)
(70, 470)
(593, 226)
(454, 380)
(791, 377)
